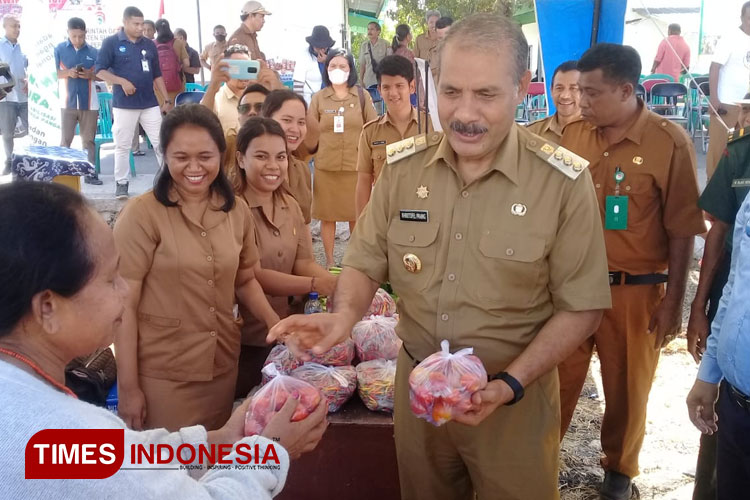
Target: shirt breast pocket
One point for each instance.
(415, 242)
(511, 269)
(377, 157)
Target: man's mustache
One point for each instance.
(467, 128)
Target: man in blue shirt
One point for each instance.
(727, 360)
(130, 62)
(75, 60)
(15, 105)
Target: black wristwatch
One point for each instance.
(514, 384)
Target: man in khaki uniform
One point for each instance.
(491, 242)
(566, 95)
(395, 83)
(214, 51)
(643, 168)
(425, 46)
(253, 17)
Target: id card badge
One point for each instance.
(616, 213)
(144, 65)
(338, 124)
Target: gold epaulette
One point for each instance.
(567, 162)
(736, 135)
(411, 145)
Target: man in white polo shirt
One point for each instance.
(729, 79)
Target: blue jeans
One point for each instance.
(10, 112)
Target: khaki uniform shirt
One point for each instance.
(338, 151)
(300, 186)
(225, 107)
(376, 135)
(379, 51)
(244, 36)
(425, 48)
(282, 239)
(490, 279)
(214, 52)
(187, 267)
(658, 159)
(548, 128)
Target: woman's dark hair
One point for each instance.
(402, 31)
(352, 81)
(395, 66)
(163, 31)
(195, 115)
(42, 246)
(252, 129)
(277, 98)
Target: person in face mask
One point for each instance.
(339, 111)
(214, 51)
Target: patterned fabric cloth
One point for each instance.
(44, 163)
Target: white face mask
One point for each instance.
(338, 76)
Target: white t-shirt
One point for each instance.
(733, 53)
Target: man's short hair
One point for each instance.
(255, 87)
(395, 66)
(237, 48)
(76, 23)
(444, 22)
(8, 18)
(150, 23)
(132, 12)
(564, 68)
(488, 32)
(619, 63)
(373, 23)
(674, 28)
(219, 27)
(431, 13)
(180, 32)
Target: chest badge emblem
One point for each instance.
(638, 160)
(423, 192)
(412, 263)
(518, 209)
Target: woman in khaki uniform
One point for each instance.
(341, 109)
(283, 238)
(188, 252)
(290, 111)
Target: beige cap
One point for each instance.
(254, 8)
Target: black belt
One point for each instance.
(414, 361)
(623, 278)
(738, 397)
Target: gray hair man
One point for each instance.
(465, 230)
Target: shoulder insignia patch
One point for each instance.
(409, 146)
(567, 162)
(736, 135)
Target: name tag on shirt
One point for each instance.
(414, 215)
(144, 64)
(378, 143)
(338, 124)
(616, 213)
(739, 183)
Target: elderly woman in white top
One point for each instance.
(63, 297)
(308, 76)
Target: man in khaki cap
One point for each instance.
(253, 17)
(493, 242)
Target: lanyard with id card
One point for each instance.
(144, 62)
(338, 122)
(616, 207)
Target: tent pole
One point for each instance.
(200, 37)
(595, 23)
(700, 31)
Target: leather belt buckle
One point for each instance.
(615, 278)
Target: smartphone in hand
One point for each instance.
(243, 69)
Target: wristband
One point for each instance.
(513, 383)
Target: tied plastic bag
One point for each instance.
(375, 338)
(376, 380)
(339, 355)
(271, 397)
(335, 383)
(441, 386)
(283, 359)
(382, 304)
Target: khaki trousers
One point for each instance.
(86, 119)
(628, 362)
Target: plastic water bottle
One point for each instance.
(313, 304)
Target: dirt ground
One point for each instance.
(670, 447)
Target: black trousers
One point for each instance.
(733, 450)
